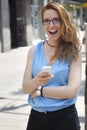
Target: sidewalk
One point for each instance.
(14, 109)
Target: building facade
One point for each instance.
(79, 10)
(20, 22)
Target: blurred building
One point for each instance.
(79, 11)
(17, 20)
(20, 21)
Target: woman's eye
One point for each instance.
(46, 21)
(56, 20)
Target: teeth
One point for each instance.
(53, 31)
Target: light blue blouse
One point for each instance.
(60, 70)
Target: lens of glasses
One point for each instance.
(46, 21)
(54, 21)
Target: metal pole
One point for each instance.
(86, 79)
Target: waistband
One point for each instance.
(64, 110)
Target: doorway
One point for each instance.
(13, 23)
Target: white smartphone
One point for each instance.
(47, 69)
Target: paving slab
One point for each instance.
(14, 110)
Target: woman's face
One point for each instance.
(52, 25)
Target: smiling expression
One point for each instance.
(52, 25)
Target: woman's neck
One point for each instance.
(52, 44)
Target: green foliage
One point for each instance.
(69, 7)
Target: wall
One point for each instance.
(0, 29)
(29, 30)
(5, 28)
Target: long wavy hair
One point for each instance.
(70, 45)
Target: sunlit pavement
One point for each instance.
(14, 110)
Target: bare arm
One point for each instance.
(73, 86)
(27, 79)
(31, 84)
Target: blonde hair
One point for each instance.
(70, 44)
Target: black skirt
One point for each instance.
(64, 119)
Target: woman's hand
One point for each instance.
(34, 94)
(43, 78)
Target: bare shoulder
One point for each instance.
(30, 52)
(78, 60)
(80, 56)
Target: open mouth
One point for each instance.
(53, 32)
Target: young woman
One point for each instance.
(53, 96)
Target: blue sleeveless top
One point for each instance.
(60, 70)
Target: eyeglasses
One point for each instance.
(54, 21)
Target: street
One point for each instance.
(14, 109)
